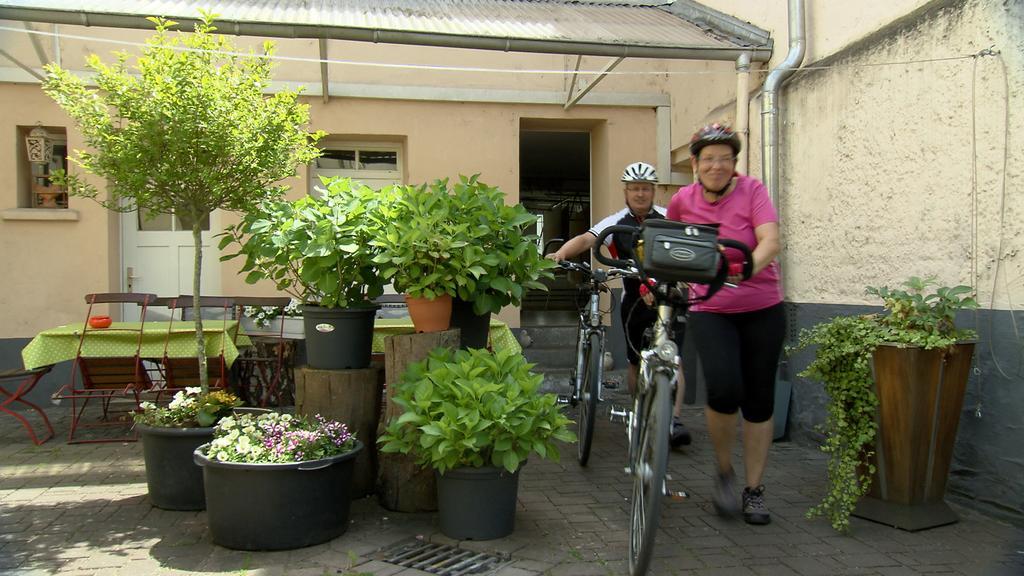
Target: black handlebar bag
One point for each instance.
(680, 252)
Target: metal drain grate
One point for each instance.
(441, 559)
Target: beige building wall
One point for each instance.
(877, 166)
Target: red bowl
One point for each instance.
(100, 321)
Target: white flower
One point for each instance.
(244, 445)
(147, 406)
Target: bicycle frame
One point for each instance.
(589, 323)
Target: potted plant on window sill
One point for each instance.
(475, 416)
(169, 436)
(276, 481)
(318, 250)
(895, 383)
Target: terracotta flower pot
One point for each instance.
(430, 315)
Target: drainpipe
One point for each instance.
(743, 109)
(770, 100)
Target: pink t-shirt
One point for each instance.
(745, 208)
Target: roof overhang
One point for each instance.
(682, 29)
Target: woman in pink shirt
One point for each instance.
(738, 332)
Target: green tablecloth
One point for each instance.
(61, 343)
(500, 336)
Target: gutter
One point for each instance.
(288, 30)
(770, 101)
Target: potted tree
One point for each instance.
(895, 383)
(318, 250)
(190, 130)
(503, 251)
(475, 416)
(276, 481)
(425, 250)
(169, 436)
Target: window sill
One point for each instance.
(39, 214)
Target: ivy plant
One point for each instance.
(920, 314)
(318, 248)
(474, 408)
(185, 127)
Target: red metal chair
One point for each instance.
(261, 372)
(181, 373)
(26, 379)
(108, 378)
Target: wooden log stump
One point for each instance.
(352, 397)
(404, 486)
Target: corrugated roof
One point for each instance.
(624, 24)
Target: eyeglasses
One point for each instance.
(722, 161)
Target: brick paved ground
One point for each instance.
(83, 509)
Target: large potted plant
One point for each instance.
(475, 416)
(503, 249)
(189, 131)
(318, 249)
(895, 383)
(425, 250)
(276, 481)
(169, 436)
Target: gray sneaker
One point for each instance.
(754, 510)
(727, 503)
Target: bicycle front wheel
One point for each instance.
(651, 426)
(590, 386)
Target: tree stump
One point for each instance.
(404, 486)
(352, 397)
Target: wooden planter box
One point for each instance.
(920, 396)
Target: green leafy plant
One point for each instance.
(917, 315)
(423, 247)
(507, 249)
(188, 409)
(318, 249)
(186, 129)
(275, 438)
(474, 408)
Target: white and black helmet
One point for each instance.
(640, 172)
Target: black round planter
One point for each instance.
(338, 338)
(277, 506)
(175, 482)
(474, 327)
(477, 503)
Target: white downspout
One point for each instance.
(743, 109)
(770, 101)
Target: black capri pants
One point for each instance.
(739, 354)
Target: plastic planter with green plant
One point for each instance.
(474, 408)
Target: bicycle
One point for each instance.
(648, 424)
(588, 375)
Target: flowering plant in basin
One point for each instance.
(189, 408)
(274, 438)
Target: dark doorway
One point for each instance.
(555, 184)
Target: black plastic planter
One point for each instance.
(477, 503)
(338, 338)
(175, 482)
(277, 506)
(474, 327)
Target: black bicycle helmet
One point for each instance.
(715, 134)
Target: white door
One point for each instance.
(158, 258)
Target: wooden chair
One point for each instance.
(261, 373)
(110, 379)
(181, 373)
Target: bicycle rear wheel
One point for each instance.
(590, 386)
(650, 458)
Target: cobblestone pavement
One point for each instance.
(82, 509)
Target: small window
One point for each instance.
(35, 190)
(375, 164)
